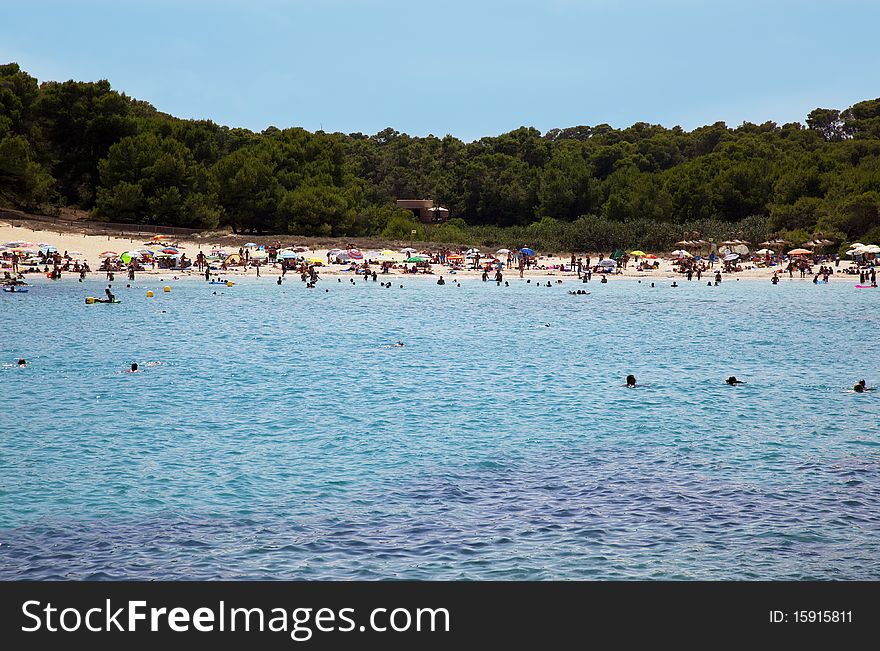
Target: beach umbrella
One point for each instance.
(607, 262)
(251, 245)
(472, 251)
(146, 253)
(730, 257)
(681, 253)
(527, 251)
(765, 252)
(799, 252)
(288, 255)
(259, 255)
(170, 249)
(355, 254)
(108, 254)
(638, 253)
(75, 254)
(871, 248)
(502, 251)
(158, 237)
(408, 250)
(127, 256)
(415, 258)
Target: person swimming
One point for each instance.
(630, 381)
(732, 380)
(861, 386)
(22, 363)
(399, 344)
(674, 284)
(134, 368)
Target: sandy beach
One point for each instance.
(89, 248)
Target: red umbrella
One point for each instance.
(354, 254)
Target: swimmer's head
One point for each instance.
(134, 367)
(858, 388)
(732, 380)
(630, 380)
(22, 362)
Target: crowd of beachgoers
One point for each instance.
(164, 254)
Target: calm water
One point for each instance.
(280, 438)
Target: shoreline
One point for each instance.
(90, 246)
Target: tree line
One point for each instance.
(87, 146)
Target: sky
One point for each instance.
(467, 68)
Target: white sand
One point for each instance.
(91, 246)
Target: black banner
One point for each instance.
(279, 615)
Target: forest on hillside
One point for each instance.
(85, 145)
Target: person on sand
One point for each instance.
(733, 381)
(630, 381)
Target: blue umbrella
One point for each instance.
(288, 255)
(527, 251)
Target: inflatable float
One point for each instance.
(91, 300)
(15, 291)
(865, 287)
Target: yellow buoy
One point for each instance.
(167, 288)
(229, 283)
(90, 300)
(149, 293)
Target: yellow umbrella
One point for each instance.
(638, 254)
(316, 260)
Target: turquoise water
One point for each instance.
(279, 436)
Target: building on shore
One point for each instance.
(425, 210)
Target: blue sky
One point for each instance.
(466, 68)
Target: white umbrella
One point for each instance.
(502, 251)
(765, 252)
(408, 250)
(871, 248)
(681, 253)
(730, 257)
(475, 251)
(607, 262)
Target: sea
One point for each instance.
(277, 432)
